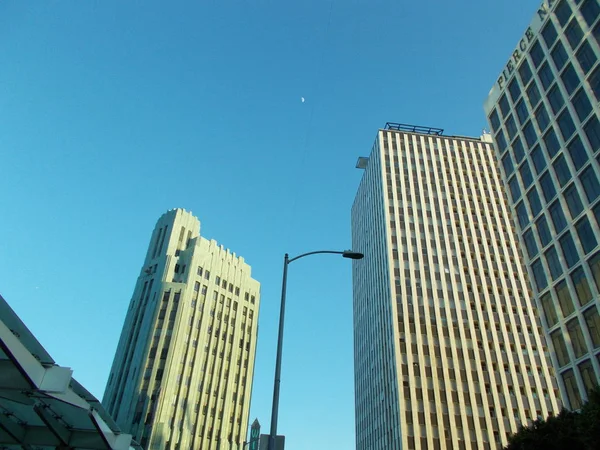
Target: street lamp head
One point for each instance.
(352, 255)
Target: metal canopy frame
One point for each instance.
(413, 128)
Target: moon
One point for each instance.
(302, 99)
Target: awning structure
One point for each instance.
(41, 405)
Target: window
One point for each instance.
(590, 184)
(582, 105)
(556, 99)
(529, 133)
(218, 281)
(547, 186)
(518, 151)
(553, 263)
(534, 202)
(207, 274)
(592, 320)
(546, 76)
(530, 244)
(558, 342)
(196, 286)
(543, 231)
(570, 79)
(511, 127)
(541, 116)
(569, 250)
(596, 33)
(549, 34)
(573, 201)
(572, 390)
(533, 94)
(594, 82)
(514, 89)
(552, 144)
(537, 54)
(587, 373)
(582, 287)
(522, 215)
(578, 153)
(508, 165)
(566, 125)
(592, 131)
(522, 112)
(525, 73)
(563, 174)
(586, 235)
(549, 310)
(539, 276)
(504, 106)
(501, 141)
(594, 264)
(559, 56)
(586, 57)
(538, 158)
(558, 217)
(564, 299)
(576, 336)
(494, 120)
(590, 11)
(563, 12)
(515, 190)
(526, 176)
(574, 34)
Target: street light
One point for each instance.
(286, 261)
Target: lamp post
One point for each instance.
(286, 262)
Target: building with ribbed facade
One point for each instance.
(448, 349)
(182, 373)
(543, 112)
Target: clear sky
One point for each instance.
(113, 112)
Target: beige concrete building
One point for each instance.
(544, 114)
(182, 373)
(449, 352)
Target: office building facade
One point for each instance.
(448, 352)
(182, 373)
(543, 113)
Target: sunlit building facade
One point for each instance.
(543, 112)
(448, 350)
(182, 373)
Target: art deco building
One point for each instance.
(543, 112)
(182, 373)
(448, 349)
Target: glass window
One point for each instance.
(569, 250)
(592, 131)
(541, 116)
(511, 127)
(530, 243)
(525, 73)
(558, 217)
(507, 164)
(533, 94)
(558, 342)
(546, 76)
(538, 158)
(504, 106)
(590, 184)
(553, 263)
(534, 201)
(543, 231)
(596, 33)
(538, 275)
(494, 120)
(592, 320)
(549, 310)
(515, 190)
(585, 368)
(526, 176)
(547, 186)
(514, 89)
(572, 391)
(594, 81)
(579, 347)
(559, 56)
(537, 54)
(530, 134)
(564, 298)
(594, 263)
(596, 211)
(582, 104)
(522, 215)
(586, 235)
(566, 125)
(574, 34)
(549, 34)
(586, 57)
(570, 78)
(518, 151)
(582, 287)
(590, 11)
(563, 12)
(522, 112)
(563, 174)
(573, 201)
(556, 99)
(578, 153)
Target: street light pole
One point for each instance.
(286, 262)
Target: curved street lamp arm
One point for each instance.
(313, 253)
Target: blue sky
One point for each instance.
(113, 112)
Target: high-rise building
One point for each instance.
(448, 350)
(543, 112)
(182, 373)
